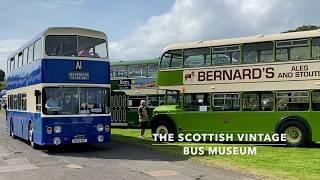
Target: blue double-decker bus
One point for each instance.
(58, 88)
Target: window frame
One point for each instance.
(259, 54)
(290, 47)
(30, 53)
(208, 102)
(225, 51)
(293, 91)
(171, 58)
(204, 59)
(312, 52)
(224, 100)
(260, 107)
(25, 56)
(40, 49)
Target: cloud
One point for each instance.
(6, 48)
(190, 20)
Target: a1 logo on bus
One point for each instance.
(78, 74)
(78, 65)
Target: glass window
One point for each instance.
(68, 101)
(171, 59)
(172, 97)
(19, 100)
(257, 52)
(119, 71)
(30, 54)
(152, 70)
(226, 102)
(20, 60)
(293, 101)
(197, 57)
(134, 101)
(74, 46)
(258, 101)
(38, 103)
(292, 50)
(137, 70)
(226, 55)
(93, 100)
(11, 64)
(25, 56)
(61, 46)
(155, 100)
(15, 102)
(16, 62)
(196, 102)
(92, 47)
(37, 49)
(24, 102)
(316, 48)
(316, 100)
(12, 102)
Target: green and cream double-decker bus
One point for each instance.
(262, 84)
(131, 82)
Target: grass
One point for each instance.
(269, 162)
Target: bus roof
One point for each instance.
(241, 40)
(135, 62)
(62, 31)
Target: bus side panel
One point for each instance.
(241, 122)
(27, 76)
(20, 122)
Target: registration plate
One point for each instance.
(79, 140)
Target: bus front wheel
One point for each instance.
(11, 130)
(164, 128)
(30, 136)
(296, 133)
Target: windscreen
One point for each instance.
(73, 100)
(75, 46)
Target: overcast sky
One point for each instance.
(140, 29)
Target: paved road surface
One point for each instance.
(106, 161)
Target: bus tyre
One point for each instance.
(163, 127)
(296, 133)
(11, 130)
(30, 136)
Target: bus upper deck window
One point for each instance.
(171, 59)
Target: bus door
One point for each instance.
(119, 109)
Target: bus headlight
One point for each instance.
(57, 129)
(100, 128)
(107, 128)
(49, 130)
(56, 141)
(100, 138)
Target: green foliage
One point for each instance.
(3, 85)
(304, 28)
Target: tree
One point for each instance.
(2, 75)
(304, 28)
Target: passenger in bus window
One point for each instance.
(53, 104)
(88, 52)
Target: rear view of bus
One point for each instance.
(59, 88)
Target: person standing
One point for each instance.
(143, 118)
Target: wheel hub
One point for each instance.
(162, 130)
(293, 134)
